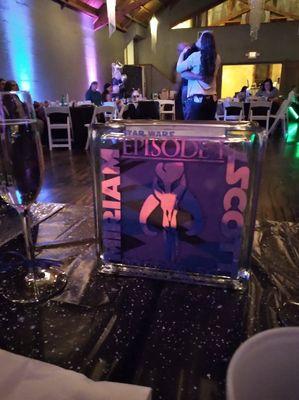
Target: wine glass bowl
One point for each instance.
(21, 177)
(22, 157)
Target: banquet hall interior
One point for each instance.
(173, 276)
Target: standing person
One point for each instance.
(204, 65)
(267, 90)
(181, 86)
(118, 81)
(93, 94)
(182, 93)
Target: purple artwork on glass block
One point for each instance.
(174, 204)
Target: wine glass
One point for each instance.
(21, 177)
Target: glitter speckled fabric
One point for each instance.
(10, 223)
(176, 338)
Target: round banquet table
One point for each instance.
(80, 116)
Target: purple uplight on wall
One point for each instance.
(90, 53)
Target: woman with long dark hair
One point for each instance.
(267, 90)
(107, 93)
(201, 68)
(93, 94)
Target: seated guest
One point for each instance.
(41, 121)
(164, 95)
(136, 95)
(267, 90)
(40, 110)
(11, 86)
(107, 93)
(14, 107)
(93, 94)
(243, 94)
(2, 84)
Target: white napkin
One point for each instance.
(23, 378)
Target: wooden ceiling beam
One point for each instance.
(126, 12)
(274, 10)
(102, 20)
(143, 8)
(132, 18)
(129, 7)
(285, 14)
(81, 6)
(186, 9)
(232, 16)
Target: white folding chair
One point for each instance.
(220, 111)
(107, 111)
(233, 111)
(256, 107)
(59, 142)
(163, 108)
(280, 116)
(111, 104)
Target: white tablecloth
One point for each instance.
(23, 378)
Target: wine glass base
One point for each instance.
(289, 313)
(35, 287)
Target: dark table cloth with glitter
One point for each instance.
(176, 338)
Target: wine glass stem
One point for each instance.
(25, 218)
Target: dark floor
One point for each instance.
(176, 338)
(68, 177)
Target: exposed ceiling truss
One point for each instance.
(127, 11)
(233, 11)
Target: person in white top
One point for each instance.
(201, 69)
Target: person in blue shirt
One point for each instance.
(93, 94)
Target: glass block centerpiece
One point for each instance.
(176, 200)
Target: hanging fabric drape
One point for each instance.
(154, 31)
(111, 5)
(255, 17)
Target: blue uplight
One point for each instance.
(19, 39)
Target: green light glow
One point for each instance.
(292, 132)
(297, 151)
(293, 112)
